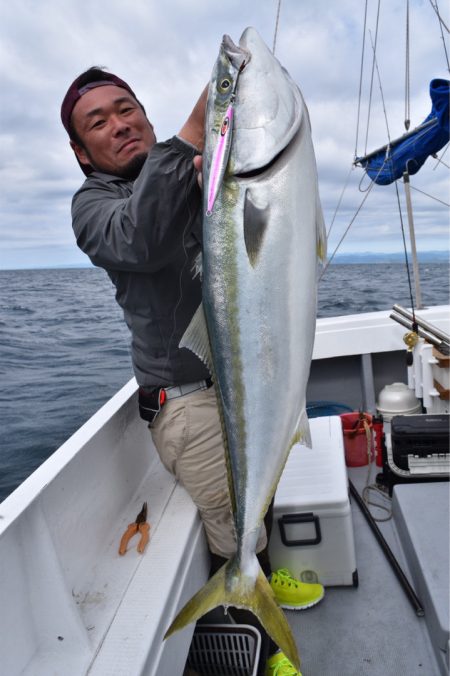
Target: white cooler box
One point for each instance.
(312, 531)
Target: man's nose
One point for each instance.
(119, 125)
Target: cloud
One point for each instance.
(166, 50)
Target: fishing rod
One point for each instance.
(410, 593)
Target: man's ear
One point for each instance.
(80, 153)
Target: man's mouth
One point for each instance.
(127, 143)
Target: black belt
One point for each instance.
(151, 401)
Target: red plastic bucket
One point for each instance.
(355, 438)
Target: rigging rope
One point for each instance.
(371, 78)
(436, 9)
(430, 196)
(439, 159)
(396, 189)
(325, 267)
(276, 27)
(360, 82)
(442, 25)
(381, 91)
(407, 75)
(340, 200)
(388, 147)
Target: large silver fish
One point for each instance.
(263, 234)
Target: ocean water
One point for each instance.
(64, 347)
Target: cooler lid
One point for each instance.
(316, 477)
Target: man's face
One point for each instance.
(114, 131)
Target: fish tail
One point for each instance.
(230, 587)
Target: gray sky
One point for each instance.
(166, 51)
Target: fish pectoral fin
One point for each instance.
(255, 224)
(230, 587)
(303, 432)
(196, 338)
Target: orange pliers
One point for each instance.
(140, 525)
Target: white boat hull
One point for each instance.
(70, 604)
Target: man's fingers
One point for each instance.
(198, 163)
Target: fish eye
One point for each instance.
(224, 85)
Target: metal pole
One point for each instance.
(422, 333)
(413, 240)
(421, 322)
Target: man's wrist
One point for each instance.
(193, 130)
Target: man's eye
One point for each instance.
(97, 123)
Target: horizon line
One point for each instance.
(442, 254)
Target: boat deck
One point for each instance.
(371, 630)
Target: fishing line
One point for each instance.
(276, 27)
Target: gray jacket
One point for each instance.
(146, 235)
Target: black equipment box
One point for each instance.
(420, 440)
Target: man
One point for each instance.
(138, 216)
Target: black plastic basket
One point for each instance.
(225, 650)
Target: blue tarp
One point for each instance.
(410, 151)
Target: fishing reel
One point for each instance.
(410, 339)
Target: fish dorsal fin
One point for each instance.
(255, 224)
(196, 338)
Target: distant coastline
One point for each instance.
(398, 257)
(363, 258)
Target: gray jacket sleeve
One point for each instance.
(140, 226)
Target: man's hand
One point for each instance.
(198, 163)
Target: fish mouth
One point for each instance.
(238, 55)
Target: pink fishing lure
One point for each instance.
(220, 158)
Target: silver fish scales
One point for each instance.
(263, 240)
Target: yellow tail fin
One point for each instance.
(229, 587)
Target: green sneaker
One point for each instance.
(293, 594)
(279, 665)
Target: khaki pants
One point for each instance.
(188, 437)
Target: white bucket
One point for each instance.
(397, 399)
